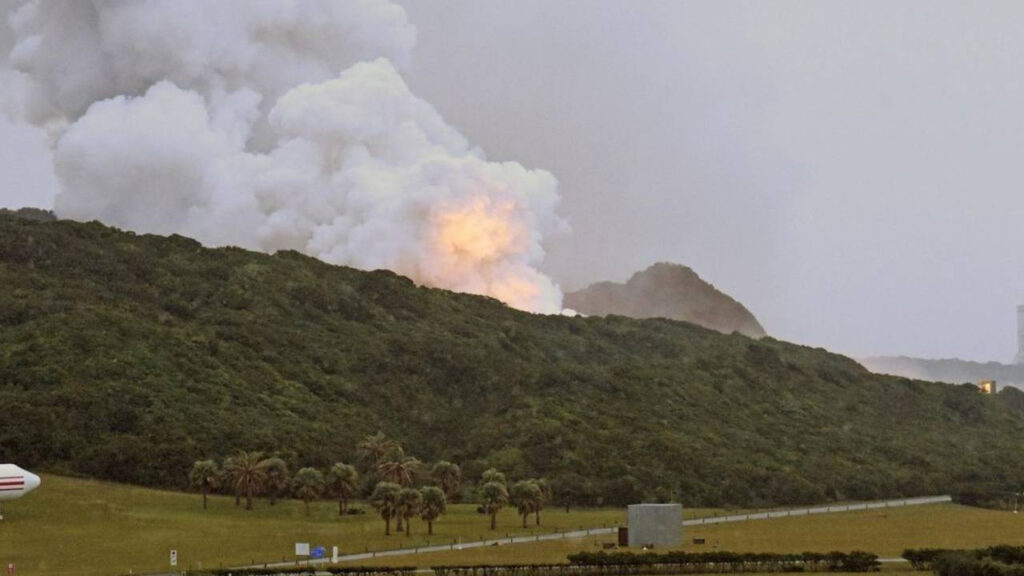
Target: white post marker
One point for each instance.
(174, 557)
(334, 555)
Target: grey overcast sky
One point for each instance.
(851, 171)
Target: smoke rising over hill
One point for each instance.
(274, 125)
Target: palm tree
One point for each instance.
(398, 468)
(434, 504)
(308, 484)
(545, 497)
(493, 496)
(492, 475)
(384, 499)
(342, 482)
(204, 475)
(527, 497)
(375, 448)
(448, 477)
(229, 472)
(408, 505)
(278, 479)
(247, 475)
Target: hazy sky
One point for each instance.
(848, 170)
(851, 171)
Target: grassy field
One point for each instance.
(77, 527)
(886, 532)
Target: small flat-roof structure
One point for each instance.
(655, 525)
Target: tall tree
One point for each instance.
(247, 475)
(384, 500)
(493, 475)
(308, 484)
(527, 497)
(398, 468)
(408, 505)
(545, 497)
(229, 472)
(434, 504)
(204, 475)
(278, 478)
(448, 477)
(373, 449)
(342, 483)
(493, 496)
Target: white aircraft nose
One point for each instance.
(31, 482)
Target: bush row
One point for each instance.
(1002, 560)
(615, 564)
(704, 562)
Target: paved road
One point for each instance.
(602, 531)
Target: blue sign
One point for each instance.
(318, 552)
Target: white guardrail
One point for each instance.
(818, 510)
(602, 531)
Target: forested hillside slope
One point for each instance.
(128, 357)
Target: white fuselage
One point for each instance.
(15, 482)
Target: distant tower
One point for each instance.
(1020, 336)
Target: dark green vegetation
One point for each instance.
(727, 562)
(131, 357)
(1000, 560)
(617, 564)
(667, 290)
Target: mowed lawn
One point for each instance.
(80, 527)
(886, 532)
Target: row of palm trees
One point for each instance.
(251, 474)
(528, 496)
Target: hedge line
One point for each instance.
(1000, 560)
(711, 562)
(613, 564)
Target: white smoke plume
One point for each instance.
(275, 125)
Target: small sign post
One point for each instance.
(10, 569)
(302, 548)
(174, 557)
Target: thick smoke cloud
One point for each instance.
(275, 125)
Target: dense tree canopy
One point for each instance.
(129, 357)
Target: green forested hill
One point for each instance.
(128, 357)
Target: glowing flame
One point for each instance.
(482, 234)
(478, 232)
